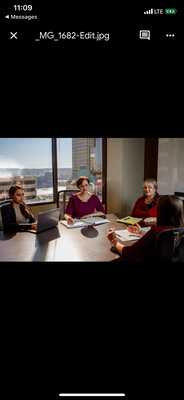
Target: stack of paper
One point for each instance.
(124, 236)
(85, 222)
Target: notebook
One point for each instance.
(46, 220)
(124, 236)
(89, 221)
(129, 220)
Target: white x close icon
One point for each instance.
(13, 35)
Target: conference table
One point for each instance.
(62, 244)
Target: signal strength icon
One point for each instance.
(149, 11)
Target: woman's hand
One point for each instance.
(111, 235)
(34, 225)
(134, 229)
(70, 220)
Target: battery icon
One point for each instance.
(170, 11)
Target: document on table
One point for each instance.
(94, 220)
(129, 220)
(85, 222)
(124, 235)
(76, 224)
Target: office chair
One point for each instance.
(166, 244)
(1, 204)
(181, 250)
(61, 202)
(4, 202)
(181, 195)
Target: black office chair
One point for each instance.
(181, 250)
(61, 201)
(166, 245)
(181, 195)
(1, 204)
(4, 202)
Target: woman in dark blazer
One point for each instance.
(16, 215)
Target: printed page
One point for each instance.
(95, 220)
(77, 223)
(127, 236)
(124, 235)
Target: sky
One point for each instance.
(34, 153)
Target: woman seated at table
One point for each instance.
(16, 215)
(146, 206)
(84, 203)
(169, 215)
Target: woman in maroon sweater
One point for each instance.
(146, 206)
(169, 215)
(84, 203)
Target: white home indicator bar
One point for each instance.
(91, 394)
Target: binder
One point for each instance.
(129, 220)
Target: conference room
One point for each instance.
(117, 173)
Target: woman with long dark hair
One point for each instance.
(169, 216)
(16, 215)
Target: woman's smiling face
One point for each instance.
(149, 189)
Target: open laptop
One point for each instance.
(46, 220)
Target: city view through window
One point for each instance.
(28, 162)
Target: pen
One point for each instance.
(114, 232)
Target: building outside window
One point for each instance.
(29, 162)
(26, 162)
(76, 157)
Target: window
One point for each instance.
(27, 162)
(44, 166)
(76, 157)
(170, 175)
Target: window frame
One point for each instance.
(55, 174)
